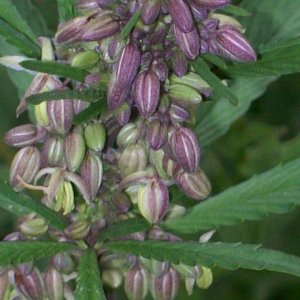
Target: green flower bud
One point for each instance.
(205, 279)
(78, 230)
(85, 59)
(33, 226)
(184, 95)
(64, 198)
(156, 159)
(95, 136)
(186, 271)
(112, 278)
(136, 283)
(133, 159)
(41, 114)
(154, 266)
(129, 134)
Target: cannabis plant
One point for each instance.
(107, 182)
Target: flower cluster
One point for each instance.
(121, 163)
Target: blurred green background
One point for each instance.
(266, 136)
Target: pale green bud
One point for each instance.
(64, 198)
(41, 114)
(184, 95)
(112, 278)
(129, 134)
(85, 59)
(33, 226)
(78, 230)
(205, 279)
(95, 136)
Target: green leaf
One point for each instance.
(9, 14)
(17, 39)
(215, 60)
(91, 112)
(54, 68)
(65, 9)
(228, 256)
(220, 90)
(89, 285)
(89, 96)
(125, 228)
(215, 118)
(278, 62)
(20, 204)
(130, 25)
(14, 253)
(273, 192)
(236, 10)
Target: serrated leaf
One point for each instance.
(55, 68)
(228, 256)
(9, 14)
(65, 9)
(89, 96)
(17, 39)
(130, 24)
(220, 90)
(215, 118)
(14, 253)
(125, 228)
(20, 204)
(278, 62)
(273, 192)
(89, 285)
(236, 10)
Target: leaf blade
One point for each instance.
(65, 9)
(130, 24)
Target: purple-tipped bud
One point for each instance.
(178, 113)
(25, 165)
(95, 136)
(184, 95)
(157, 134)
(132, 159)
(60, 114)
(117, 94)
(26, 268)
(53, 152)
(54, 284)
(211, 4)
(189, 42)
(194, 185)
(150, 11)
(24, 135)
(153, 200)
(74, 149)
(31, 286)
(122, 113)
(179, 63)
(161, 70)
(100, 27)
(165, 287)
(181, 15)
(71, 31)
(63, 263)
(129, 134)
(87, 4)
(136, 283)
(185, 148)
(199, 13)
(155, 267)
(91, 173)
(233, 45)
(146, 93)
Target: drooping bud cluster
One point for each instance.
(121, 163)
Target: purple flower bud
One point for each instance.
(178, 113)
(71, 31)
(189, 42)
(117, 94)
(74, 149)
(194, 185)
(99, 27)
(91, 172)
(54, 284)
(31, 286)
(26, 268)
(79, 106)
(24, 135)
(165, 287)
(25, 165)
(185, 148)
(122, 113)
(63, 263)
(153, 200)
(211, 4)
(155, 267)
(87, 4)
(181, 15)
(234, 46)
(150, 11)
(53, 152)
(132, 159)
(115, 47)
(60, 114)
(4, 286)
(179, 63)
(161, 70)
(199, 13)
(159, 34)
(157, 134)
(146, 93)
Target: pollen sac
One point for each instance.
(150, 11)
(25, 165)
(153, 200)
(185, 148)
(157, 134)
(194, 185)
(181, 15)
(146, 93)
